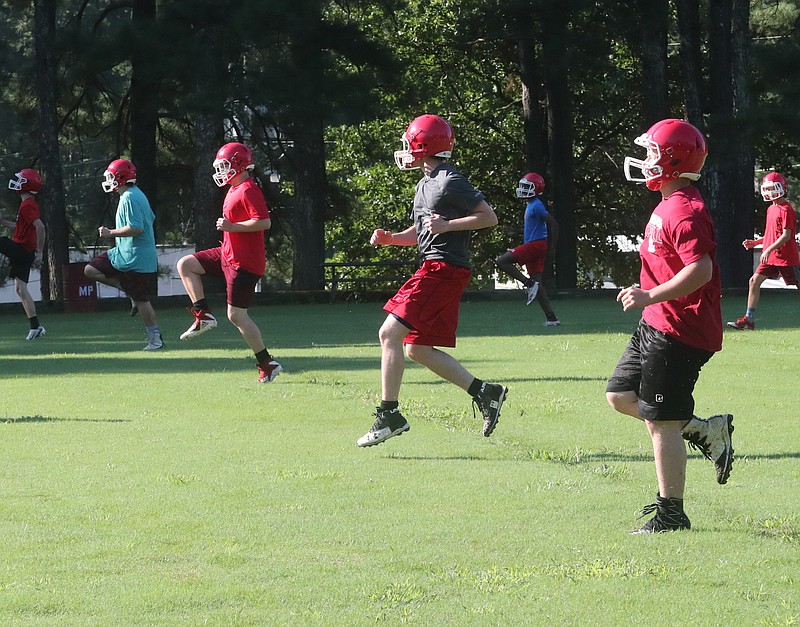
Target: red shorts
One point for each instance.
(140, 286)
(531, 255)
(790, 274)
(240, 285)
(429, 303)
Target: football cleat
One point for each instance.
(489, 400)
(268, 371)
(533, 290)
(37, 332)
(388, 423)
(669, 517)
(155, 343)
(743, 324)
(203, 321)
(552, 323)
(713, 439)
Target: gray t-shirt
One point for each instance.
(449, 194)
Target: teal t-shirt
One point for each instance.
(136, 253)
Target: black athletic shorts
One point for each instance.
(661, 371)
(19, 259)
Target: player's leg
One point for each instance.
(508, 264)
(29, 306)
(391, 336)
(389, 422)
(191, 269)
(669, 452)
(748, 320)
(241, 287)
(442, 364)
(191, 272)
(100, 269)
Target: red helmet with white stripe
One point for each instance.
(675, 149)
(773, 186)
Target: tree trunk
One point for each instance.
(207, 137)
(722, 159)
(307, 128)
(145, 82)
(309, 206)
(744, 199)
(533, 117)
(655, 17)
(559, 113)
(691, 59)
(54, 213)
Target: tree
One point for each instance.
(53, 209)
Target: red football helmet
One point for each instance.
(119, 172)
(27, 181)
(530, 185)
(426, 136)
(231, 160)
(773, 186)
(674, 149)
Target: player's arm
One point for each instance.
(124, 231)
(482, 216)
(387, 238)
(41, 233)
(752, 243)
(7, 223)
(785, 237)
(552, 234)
(248, 226)
(687, 280)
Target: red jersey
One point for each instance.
(245, 251)
(680, 232)
(24, 231)
(780, 216)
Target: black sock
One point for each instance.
(263, 356)
(389, 405)
(34, 322)
(200, 304)
(551, 316)
(475, 387)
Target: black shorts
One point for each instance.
(19, 259)
(140, 286)
(661, 371)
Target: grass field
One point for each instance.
(172, 489)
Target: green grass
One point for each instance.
(172, 489)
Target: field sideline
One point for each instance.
(172, 489)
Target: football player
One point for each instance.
(539, 245)
(681, 324)
(240, 259)
(25, 247)
(132, 264)
(424, 312)
(779, 255)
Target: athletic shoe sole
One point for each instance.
(379, 439)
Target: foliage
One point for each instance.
(382, 63)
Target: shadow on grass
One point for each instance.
(163, 363)
(34, 419)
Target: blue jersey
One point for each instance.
(137, 253)
(535, 226)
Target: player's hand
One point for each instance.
(765, 257)
(104, 232)
(37, 261)
(436, 224)
(633, 298)
(749, 244)
(223, 224)
(381, 238)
